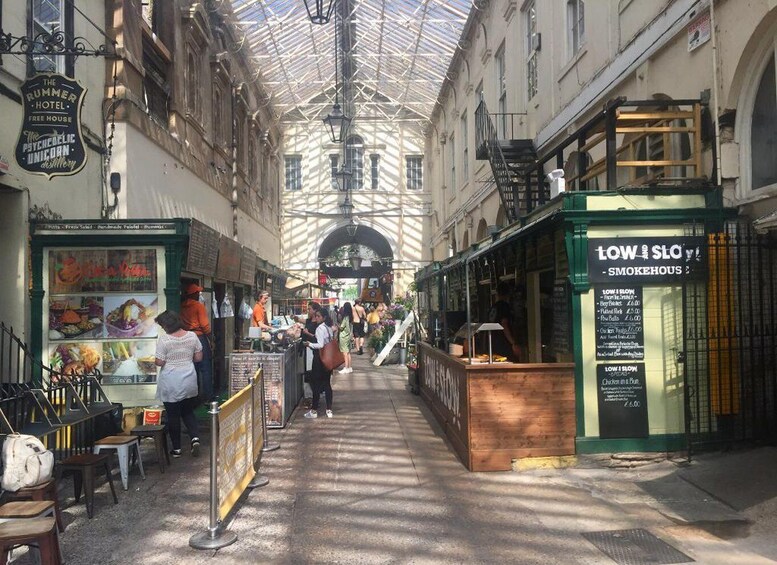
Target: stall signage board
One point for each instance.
(639, 260)
(203, 249)
(619, 323)
(50, 140)
(272, 367)
(622, 399)
(242, 368)
(228, 265)
(102, 270)
(247, 266)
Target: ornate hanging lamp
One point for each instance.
(319, 11)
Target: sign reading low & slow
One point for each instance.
(640, 260)
(50, 141)
(622, 396)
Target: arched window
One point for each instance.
(482, 232)
(354, 161)
(763, 130)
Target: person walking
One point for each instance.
(309, 335)
(321, 377)
(194, 318)
(344, 336)
(177, 350)
(359, 321)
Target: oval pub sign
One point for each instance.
(50, 141)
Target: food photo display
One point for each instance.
(73, 317)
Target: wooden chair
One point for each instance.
(159, 435)
(123, 445)
(83, 467)
(40, 533)
(26, 509)
(38, 493)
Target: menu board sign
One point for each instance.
(622, 399)
(101, 305)
(228, 265)
(242, 368)
(619, 323)
(102, 270)
(272, 366)
(639, 260)
(247, 266)
(203, 249)
(50, 141)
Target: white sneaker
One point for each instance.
(350, 369)
(329, 414)
(343, 371)
(311, 414)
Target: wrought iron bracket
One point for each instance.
(52, 44)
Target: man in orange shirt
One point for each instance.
(195, 319)
(259, 317)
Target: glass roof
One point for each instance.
(400, 51)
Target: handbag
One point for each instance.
(331, 356)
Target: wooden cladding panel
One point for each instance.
(520, 413)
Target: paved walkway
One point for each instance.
(379, 484)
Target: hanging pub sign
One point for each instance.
(50, 141)
(640, 260)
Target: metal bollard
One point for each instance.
(258, 480)
(266, 444)
(214, 537)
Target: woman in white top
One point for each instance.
(177, 350)
(320, 378)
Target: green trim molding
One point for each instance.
(659, 443)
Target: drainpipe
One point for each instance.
(235, 88)
(715, 112)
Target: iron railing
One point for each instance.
(38, 400)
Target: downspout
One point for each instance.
(235, 87)
(716, 112)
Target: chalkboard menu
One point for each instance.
(273, 366)
(228, 265)
(622, 400)
(203, 249)
(242, 367)
(619, 323)
(247, 266)
(561, 320)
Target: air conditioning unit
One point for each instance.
(557, 183)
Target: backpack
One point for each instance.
(26, 462)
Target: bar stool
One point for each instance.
(122, 445)
(82, 467)
(159, 435)
(25, 509)
(40, 532)
(41, 492)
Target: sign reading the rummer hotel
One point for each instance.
(50, 141)
(646, 259)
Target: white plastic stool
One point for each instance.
(122, 445)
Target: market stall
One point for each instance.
(493, 413)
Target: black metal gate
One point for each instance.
(730, 350)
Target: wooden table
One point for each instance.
(494, 413)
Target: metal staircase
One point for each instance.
(509, 159)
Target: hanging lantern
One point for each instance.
(319, 11)
(337, 123)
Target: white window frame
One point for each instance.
(293, 174)
(575, 26)
(414, 172)
(532, 50)
(464, 148)
(39, 26)
(374, 171)
(757, 66)
(501, 92)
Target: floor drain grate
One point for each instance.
(635, 547)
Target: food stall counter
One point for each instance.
(493, 413)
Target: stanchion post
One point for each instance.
(214, 537)
(266, 444)
(258, 480)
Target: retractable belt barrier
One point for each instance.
(238, 438)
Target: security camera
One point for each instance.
(115, 183)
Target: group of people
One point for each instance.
(184, 351)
